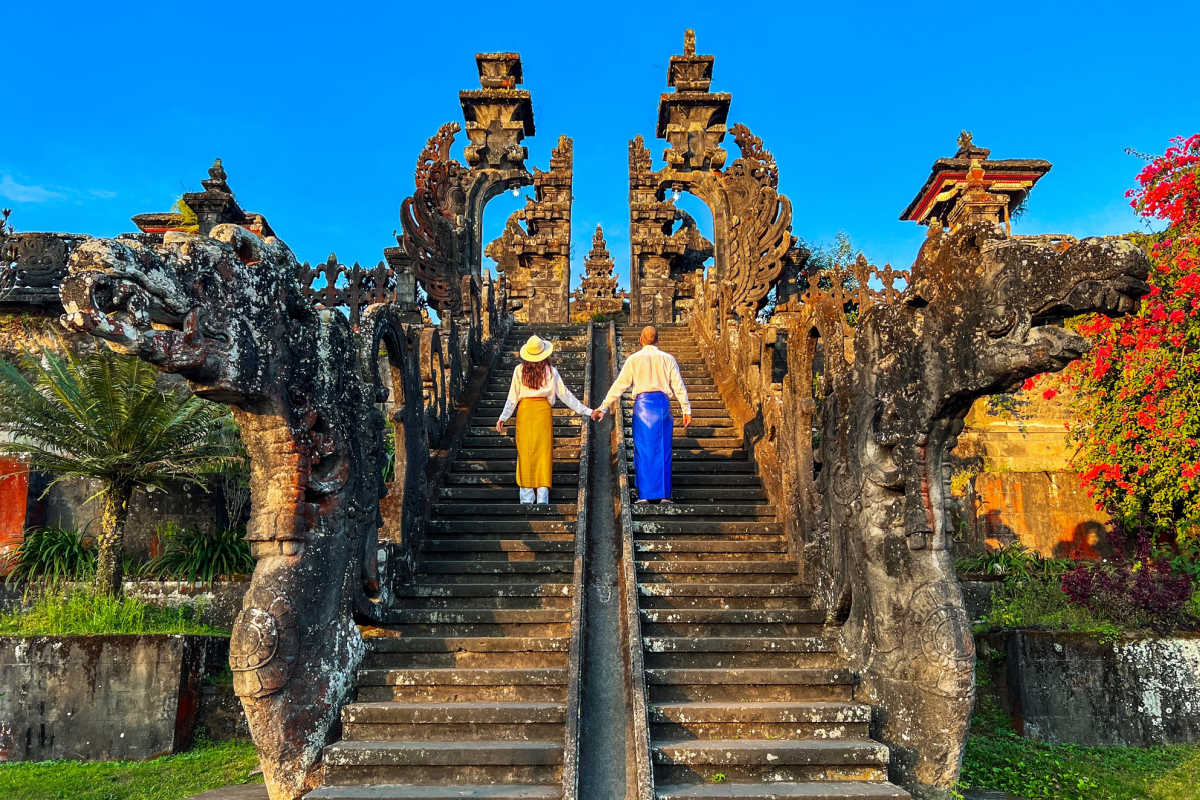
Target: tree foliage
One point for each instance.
(103, 417)
(1137, 392)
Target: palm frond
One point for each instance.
(104, 416)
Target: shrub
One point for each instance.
(193, 555)
(52, 554)
(1014, 561)
(1139, 588)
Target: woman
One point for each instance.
(536, 386)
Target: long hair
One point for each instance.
(535, 373)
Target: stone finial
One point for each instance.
(499, 70)
(498, 115)
(968, 149)
(692, 119)
(216, 181)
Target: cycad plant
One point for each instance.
(102, 416)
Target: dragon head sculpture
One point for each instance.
(983, 312)
(227, 312)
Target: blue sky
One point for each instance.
(320, 111)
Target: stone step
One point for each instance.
(437, 762)
(568, 470)
(502, 493)
(545, 566)
(472, 656)
(738, 644)
(462, 616)
(705, 473)
(812, 711)
(450, 685)
(779, 790)
(774, 544)
(781, 566)
(489, 431)
(560, 590)
(745, 760)
(479, 510)
(711, 596)
(476, 526)
(393, 721)
(702, 527)
(685, 490)
(482, 644)
(516, 546)
(505, 452)
(563, 479)
(722, 510)
(731, 621)
(749, 684)
(397, 791)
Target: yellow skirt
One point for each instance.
(535, 443)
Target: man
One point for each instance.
(654, 377)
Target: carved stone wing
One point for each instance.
(760, 231)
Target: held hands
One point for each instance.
(598, 414)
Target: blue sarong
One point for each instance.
(652, 431)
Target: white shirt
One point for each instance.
(551, 390)
(650, 370)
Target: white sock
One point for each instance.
(527, 495)
(543, 494)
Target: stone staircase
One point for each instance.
(746, 695)
(463, 693)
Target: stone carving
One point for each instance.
(666, 246)
(751, 220)
(228, 312)
(597, 293)
(536, 258)
(32, 264)
(441, 221)
(855, 433)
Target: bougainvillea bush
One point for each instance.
(1138, 390)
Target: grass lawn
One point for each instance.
(209, 765)
(76, 611)
(999, 759)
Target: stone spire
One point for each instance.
(692, 119)
(597, 293)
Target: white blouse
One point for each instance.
(551, 390)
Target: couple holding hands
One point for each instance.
(654, 378)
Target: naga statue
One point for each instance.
(228, 313)
(982, 313)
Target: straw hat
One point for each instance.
(536, 349)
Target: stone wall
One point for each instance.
(65, 506)
(1012, 480)
(102, 698)
(1067, 688)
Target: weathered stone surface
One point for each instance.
(751, 220)
(536, 257)
(1067, 688)
(101, 698)
(851, 426)
(227, 312)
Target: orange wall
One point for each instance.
(14, 490)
